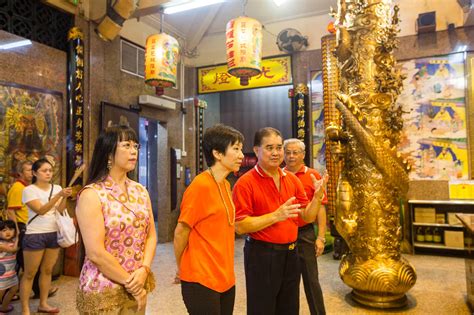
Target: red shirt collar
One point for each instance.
(21, 181)
(303, 169)
(262, 173)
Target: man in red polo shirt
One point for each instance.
(308, 245)
(268, 202)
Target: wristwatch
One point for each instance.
(322, 239)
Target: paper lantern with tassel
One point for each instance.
(161, 60)
(244, 48)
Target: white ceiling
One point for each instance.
(195, 24)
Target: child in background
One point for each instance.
(8, 277)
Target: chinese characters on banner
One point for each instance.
(275, 71)
(75, 123)
(300, 115)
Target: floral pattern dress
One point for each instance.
(127, 222)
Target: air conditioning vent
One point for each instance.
(157, 102)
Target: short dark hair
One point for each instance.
(265, 132)
(37, 165)
(8, 224)
(219, 137)
(105, 146)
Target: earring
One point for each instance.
(109, 164)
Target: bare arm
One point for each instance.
(62, 205)
(136, 282)
(9, 248)
(11, 214)
(253, 224)
(320, 241)
(312, 209)
(322, 222)
(150, 245)
(181, 238)
(91, 224)
(41, 209)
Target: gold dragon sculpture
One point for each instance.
(374, 178)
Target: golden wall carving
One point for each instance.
(373, 178)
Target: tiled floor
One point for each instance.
(440, 289)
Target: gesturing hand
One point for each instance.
(66, 192)
(318, 185)
(287, 210)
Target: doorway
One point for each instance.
(148, 160)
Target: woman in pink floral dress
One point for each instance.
(117, 227)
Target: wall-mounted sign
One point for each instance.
(275, 71)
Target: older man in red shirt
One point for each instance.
(308, 245)
(268, 203)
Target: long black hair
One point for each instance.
(37, 165)
(105, 148)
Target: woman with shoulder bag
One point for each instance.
(40, 243)
(117, 229)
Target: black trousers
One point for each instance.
(272, 280)
(20, 261)
(309, 270)
(200, 300)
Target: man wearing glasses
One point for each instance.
(268, 202)
(309, 247)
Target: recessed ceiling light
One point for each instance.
(16, 44)
(190, 5)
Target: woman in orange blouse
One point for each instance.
(204, 237)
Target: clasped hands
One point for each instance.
(135, 285)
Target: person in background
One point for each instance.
(8, 277)
(18, 213)
(268, 203)
(117, 228)
(204, 237)
(309, 246)
(40, 243)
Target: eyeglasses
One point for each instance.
(128, 146)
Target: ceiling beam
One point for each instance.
(148, 7)
(196, 34)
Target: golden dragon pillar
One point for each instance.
(374, 178)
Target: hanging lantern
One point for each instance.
(161, 60)
(244, 48)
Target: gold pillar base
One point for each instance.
(379, 301)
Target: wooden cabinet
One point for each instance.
(435, 228)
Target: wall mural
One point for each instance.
(434, 137)
(30, 127)
(317, 122)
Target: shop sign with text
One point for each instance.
(275, 71)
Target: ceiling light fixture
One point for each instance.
(279, 2)
(16, 44)
(190, 5)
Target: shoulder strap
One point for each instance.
(49, 198)
(51, 192)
